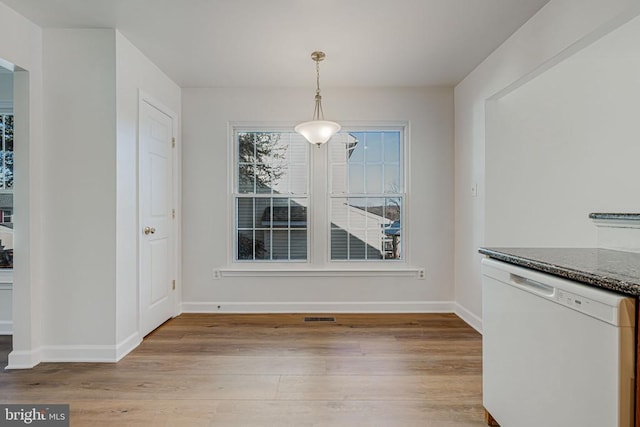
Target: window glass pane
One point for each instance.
(367, 228)
(298, 244)
(297, 150)
(261, 160)
(338, 150)
(273, 166)
(298, 213)
(393, 228)
(339, 244)
(280, 244)
(357, 227)
(339, 178)
(356, 178)
(374, 244)
(280, 218)
(262, 244)
(262, 213)
(271, 228)
(374, 179)
(373, 147)
(357, 247)
(392, 147)
(246, 178)
(357, 147)
(339, 213)
(244, 212)
(391, 178)
(297, 179)
(245, 245)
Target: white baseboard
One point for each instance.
(127, 346)
(319, 307)
(78, 353)
(6, 327)
(24, 359)
(474, 321)
(90, 353)
(73, 353)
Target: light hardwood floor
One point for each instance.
(274, 370)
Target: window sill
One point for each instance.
(320, 272)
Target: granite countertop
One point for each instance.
(614, 270)
(615, 216)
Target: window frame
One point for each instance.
(319, 262)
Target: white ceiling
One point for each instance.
(208, 43)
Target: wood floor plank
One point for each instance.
(428, 388)
(274, 370)
(239, 413)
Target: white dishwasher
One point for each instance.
(556, 353)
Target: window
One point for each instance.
(271, 196)
(6, 190)
(362, 194)
(6, 216)
(366, 195)
(6, 152)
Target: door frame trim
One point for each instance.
(176, 155)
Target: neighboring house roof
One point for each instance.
(281, 216)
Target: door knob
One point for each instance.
(149, 230)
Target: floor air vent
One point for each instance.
(319, 319)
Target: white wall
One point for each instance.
(22, 46)
(559, 30)
(206, 113)
(79, 245)
(134, 72)
(92, 80)
(564, 145)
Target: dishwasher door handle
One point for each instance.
(533, 286)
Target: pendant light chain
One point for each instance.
(318, 114)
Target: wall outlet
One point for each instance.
(474, 189)
(217, 274)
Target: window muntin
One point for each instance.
(271, 196)
(366, 195)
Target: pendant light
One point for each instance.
(318, 131)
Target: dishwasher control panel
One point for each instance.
(586, 305)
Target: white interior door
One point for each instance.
(157, 257)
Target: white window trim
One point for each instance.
(318, 263)
(321, 272)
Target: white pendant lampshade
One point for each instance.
(318, 131)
